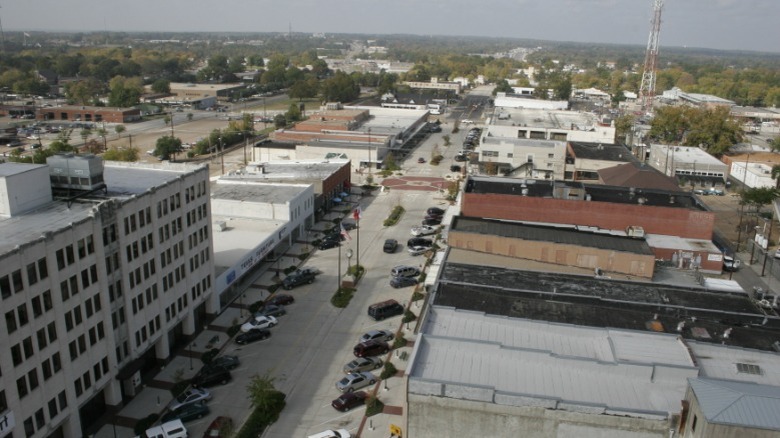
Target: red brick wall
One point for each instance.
(655, 220)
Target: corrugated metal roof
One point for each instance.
(584, 366)
(738, 403)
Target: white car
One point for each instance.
(467, 121)
(423, 230)
(259, 322)
(418, 250)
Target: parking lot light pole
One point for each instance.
(192, 345)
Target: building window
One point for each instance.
(693, 424)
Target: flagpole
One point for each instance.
(338, 279)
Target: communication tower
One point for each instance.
(647, 89)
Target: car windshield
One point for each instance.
(344, 381)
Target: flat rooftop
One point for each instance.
(601, 302)
(295, 171)
(550, 234)
(122, 180)
(254, 191)
(599, 151)
(488, 358)
(240, 237)
(545, 118)
(687, 154)
(596, 192)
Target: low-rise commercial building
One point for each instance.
(688, 163)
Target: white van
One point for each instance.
(171, 429)
(341, 433)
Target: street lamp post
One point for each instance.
(768, 240)
(369, 152)
(349, 259)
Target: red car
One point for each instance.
(280, 300)
(370, 348)
(221, 427)
(349, 400)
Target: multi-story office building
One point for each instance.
(104, 270)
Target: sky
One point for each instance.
(717, 24)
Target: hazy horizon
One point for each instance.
(713, 24)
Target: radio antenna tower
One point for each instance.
(647, 89)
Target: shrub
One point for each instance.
(342, 297)
(395, 216)
(408, 316)
(208, 356)
(145, 423)
(356, 271)
(399, 342)
(416, 296)
(303, 256)
(422, 278)
(374, 406)
(388, 372)
(436, 160)
(290, 269)
(272, 288)
(260, 418)
(233, 330)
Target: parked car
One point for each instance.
(271, 310)
(715, 192)
(221, 427)
(417, 250)
(423, 230)
(259, 322)
(228, 361)
(455, 168)
(400, 282)
(187, 413)
(385, 309)
(280, 300)
(421, 160)
(405, 271)
(210, 376)
(253, 336)
(461, 157)
(390, 246)
(431, 221)
(349, 400)
(348, 225)
(190, 396)
(298, 278)
(341, 433)
(377, 335)
(419, 241)
(328, 244)
(354, 381)
(370, 348)
(363, 364)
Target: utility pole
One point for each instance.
(647, 87)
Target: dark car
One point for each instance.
(271, 310)
(253, 336)
(229, 362)
(370, 348)
(431, 221)
(328, 244)
(435, 210)
(399, 282)
(433, 216)
(461, 157)
(419, 241)
(455, 168)
(221, 427)
(280, 300)
(390, 246)
(421, 160)
(187, 413)
(210, 376)
(349, 400)
(298, 278)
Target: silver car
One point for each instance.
(377, 335)
(363, 364)
(354, 381)
(190, 396)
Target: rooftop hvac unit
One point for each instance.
(77, 172)
(635, 231)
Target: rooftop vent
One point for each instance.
(748, 368)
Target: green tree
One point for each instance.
(119, 129)
(124, 92)
(758, 197)
(623, 126)
(85, 133)
(261, 390)
(166, 147)
(710, 128)
(340, 88)
(121, 153)
(280, 121)
(503, 87)
(776, 176)
(85, 92)
(304, 89)
(161, 86)
(189, 117)
(294, 113)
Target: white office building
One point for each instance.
(104, 269)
